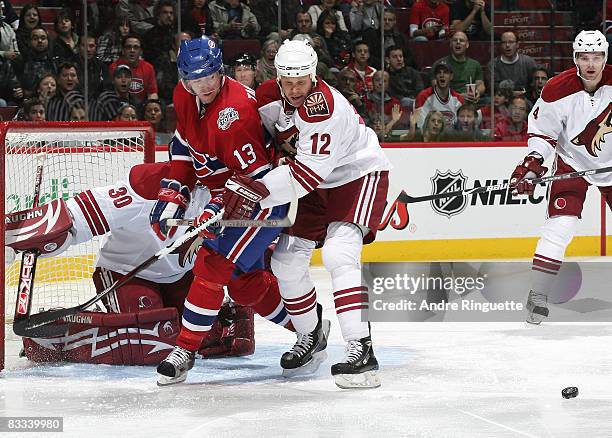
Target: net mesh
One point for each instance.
(72, 162)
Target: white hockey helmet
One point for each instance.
(295, 59)
(590, 41)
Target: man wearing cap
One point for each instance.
(107, 105)
(144, 83)
(242, 68)
(439, 97)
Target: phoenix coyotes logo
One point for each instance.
(592, 138)
(316, 105)
(187, 251)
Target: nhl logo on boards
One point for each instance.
(226, 117)
(448, 182)
(316, 105)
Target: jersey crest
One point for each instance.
(226, 117)
(316, 105)
(592, 137)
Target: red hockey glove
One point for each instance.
(241, 195)
(530, 168)
(172, 201)
(212, 208)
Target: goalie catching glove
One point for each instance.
(172, 201)
(242, 194)
(530, 168)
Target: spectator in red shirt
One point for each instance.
(429, 20)
(514, 127)
(361, 56)
(144, 83)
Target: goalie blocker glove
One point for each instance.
(530, 168)
(241, 195)
(172, 201)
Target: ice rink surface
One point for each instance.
(438, 380)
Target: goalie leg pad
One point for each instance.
(233, 334)
(143, 338)
(45, 228)
(137, 295)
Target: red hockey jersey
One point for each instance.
(212, 142)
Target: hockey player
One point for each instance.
(340, 174)
(571, 120)
(142, 320)
(218, 134)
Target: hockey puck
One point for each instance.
(569, 392)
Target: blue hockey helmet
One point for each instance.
(198, 58)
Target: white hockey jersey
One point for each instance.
(575, 124)
(123, 210)
(334, 146)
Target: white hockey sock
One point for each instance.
(557, 233)
(341, 257)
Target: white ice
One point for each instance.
(438, 380)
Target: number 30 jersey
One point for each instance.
(121, 211)
(334, 146)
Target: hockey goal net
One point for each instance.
(75, 157)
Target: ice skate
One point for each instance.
(174, 368)
(359, 368)
(308, 352)
(536, 307)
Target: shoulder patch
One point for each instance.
(226, 117)
(316, 105)
(563, 85)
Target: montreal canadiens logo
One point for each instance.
(226, 117)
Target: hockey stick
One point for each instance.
(407, 199)
(27, 270)
(36, 326)
(285, 222)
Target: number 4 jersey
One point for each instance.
(575, 124)
(334, 146)
(123, 211)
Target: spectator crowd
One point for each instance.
(121, 64)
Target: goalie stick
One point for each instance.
(285, 222)
(407, 199)
(25, 288)
(36, 326)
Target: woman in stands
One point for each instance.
(45, 88)
(110, 43)
(337, 40)
(127, 113)
(29, 18)
(66, 43)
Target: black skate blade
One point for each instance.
(308, 368)
(366, 380)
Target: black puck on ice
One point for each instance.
(569, 392)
